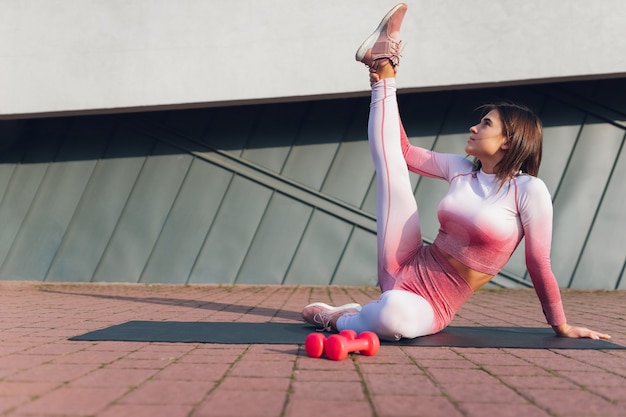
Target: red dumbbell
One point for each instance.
(315, 343)
(338, 346)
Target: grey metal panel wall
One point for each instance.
(581, 191)
(176, 251)
(145, 211)
(51, 210)
(276, 241)
(101, 205)
(602, 258)
(23, 181)
(233, 230)
(284, 193)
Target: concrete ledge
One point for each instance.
(105, 55)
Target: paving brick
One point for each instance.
(538, 381)
(468, 376)
(255, 384)
(391, 354)
(229, 403)
(574, 403)
(328, 390)
(501, 410)
(9, 403)
(129, 363)
(262, 369)
(192, 372)
(276, 354)
(521, 370)
(54, 349)
(114, 377)
(431, 353)
(54, 372)
(496, 358)
(391, 369)
(594, 379)
(19, 388)
(144, 410)
(615, 394)
(109, 346)
(562, 363)
(89, 356)
(168, 392)
(69, 401)
(414, 406)
(209, 357)
(402, 384)
(9, 348)
(447, 363)
(313, 407)
(323, 375)
(492, 393)
(21, 361)
(154, 355)
(320, 364)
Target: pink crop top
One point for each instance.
(481, 223)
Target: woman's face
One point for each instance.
(486, 141)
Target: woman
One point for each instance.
(490, 206)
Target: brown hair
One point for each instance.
(525, 133)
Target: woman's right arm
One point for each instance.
(432, 164)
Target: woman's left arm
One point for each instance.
(535, 209)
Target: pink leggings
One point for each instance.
(413, 279)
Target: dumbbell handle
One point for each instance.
(315, 343)
(338, 347)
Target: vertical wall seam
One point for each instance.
(621, 275)
(254, 128)
(165, 220)
(343, 252)
(123, 211)
(208, 233)
(298, 245)
(80, 203)
(342, 139)
(596, 213)
(13, 169)
(7, 188)
(297, 134)
(35, 196)
(254, 236)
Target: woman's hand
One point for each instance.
(565, 330)
(374, 78)
(382, 69)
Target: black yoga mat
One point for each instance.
(295, 333)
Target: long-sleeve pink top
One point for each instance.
(482, 222)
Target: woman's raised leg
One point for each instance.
(398, 231)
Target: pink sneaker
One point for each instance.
(384, 42)
(321, 315)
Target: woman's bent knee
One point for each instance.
(404, 314)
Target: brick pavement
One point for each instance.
(42, 373)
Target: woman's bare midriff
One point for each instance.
(475, 279)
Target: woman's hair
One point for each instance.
(524, 131)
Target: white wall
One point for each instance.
(97, 55)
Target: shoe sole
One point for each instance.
(369, 42)
(331, 309)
